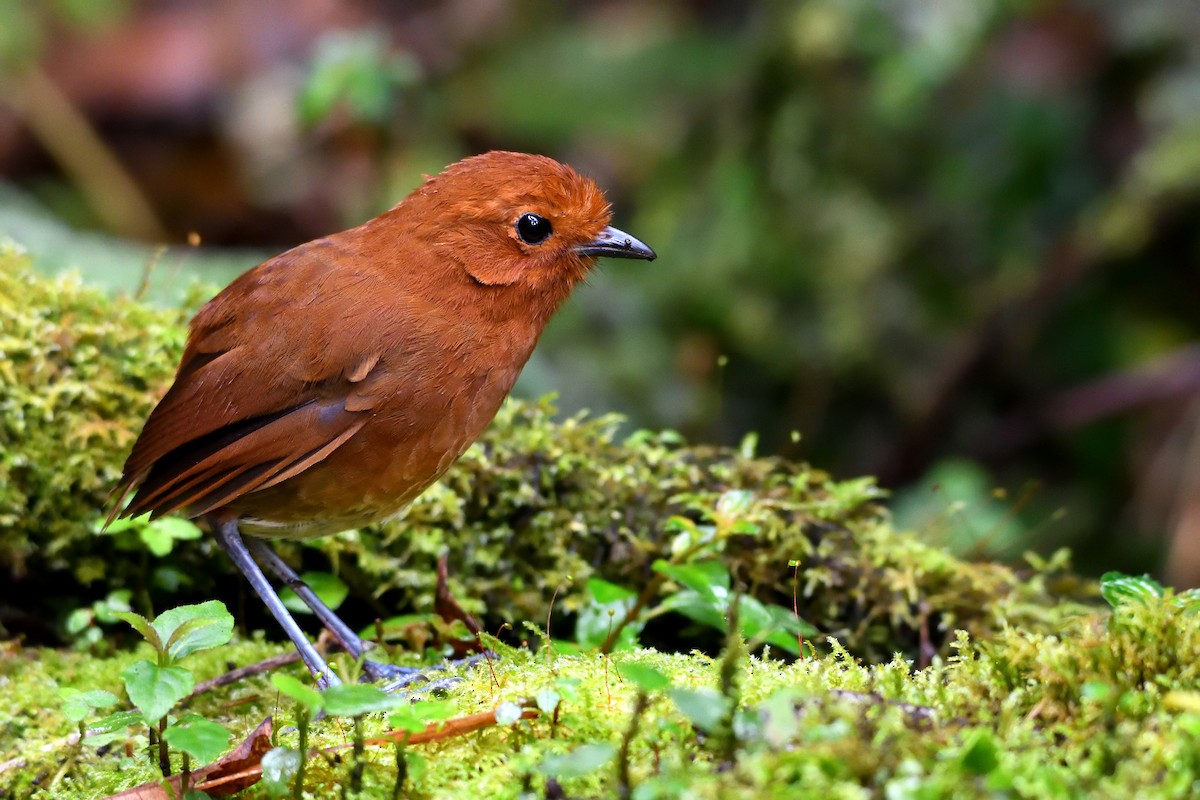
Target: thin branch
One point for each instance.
(241, 673)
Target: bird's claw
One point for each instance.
(381, 672)
(398, 678)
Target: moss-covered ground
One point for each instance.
(932, 676)
(1104, 708)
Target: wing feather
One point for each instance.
(257, 398)
(244, 457)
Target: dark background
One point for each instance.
(950, 244)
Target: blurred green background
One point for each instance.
(950, 244)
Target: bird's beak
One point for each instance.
(618, 244)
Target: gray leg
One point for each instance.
(265, 556)
(230, 539)
(348, 639)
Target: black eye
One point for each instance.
(533, 229)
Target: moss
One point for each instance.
(1104, 708)
(536, 506)
(76, 368)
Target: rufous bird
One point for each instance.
(328, 387)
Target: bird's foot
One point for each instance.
(381, 672)
(395, 679)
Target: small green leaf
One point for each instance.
(548, 700)
(116, 601)
(155, 690)
(704, 708)
(188, 629)
(117, 722)
(679, 524)
(1120, 589)
(142, 626)
(981, 754)
(357, 71)
(704, 608)
(405, 720)
(1096, 691)
(753, 617)
(303, 694)
(648, 679)
(604, 592)
(79, 620)
(330, 589)
(508, 713)
(771, 624)
(596, 619)
(414, 717)
(279, 768)
(121, 525)
(78, 705)
(170, 579)
(709, 578)
(200, 738)
(579, 762)
(735, 502)
(157, 542)
(160, 536)
(354, 700)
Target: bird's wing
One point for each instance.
(259, 395)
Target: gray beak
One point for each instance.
(617, 244)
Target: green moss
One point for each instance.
(1104, 708)
(76, 367)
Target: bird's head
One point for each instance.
(513, 219)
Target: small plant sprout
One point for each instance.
(78, 706)
(414, 718)
(286, 764)
(155, 687)
(198, 738)
(355, 701)
(704, 582)
(83, 624)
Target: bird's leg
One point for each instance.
(348, 639)
(268, 559)
(230, 539)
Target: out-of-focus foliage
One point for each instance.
(28, 26)
(532, 511)
(906, 229)
(357, 71)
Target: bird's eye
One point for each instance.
(533, 229)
